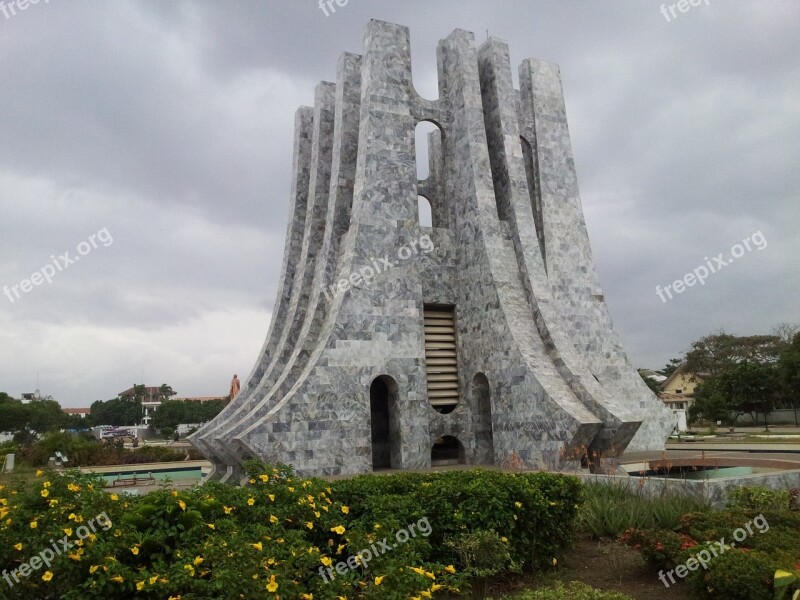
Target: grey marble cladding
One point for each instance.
(542, 375)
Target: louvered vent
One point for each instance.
(440, 358)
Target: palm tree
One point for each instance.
(165, 391)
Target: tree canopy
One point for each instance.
(718, 351)
(39, 416)
(174, 412)
(116, 412)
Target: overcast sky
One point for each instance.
(164, 129)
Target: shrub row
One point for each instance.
(281, 536)
(85, 450)
(533, 512)
(732, 553)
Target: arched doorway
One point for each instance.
(384, 423)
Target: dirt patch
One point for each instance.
(604, 565)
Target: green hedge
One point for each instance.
(534, 512)
(274, 537)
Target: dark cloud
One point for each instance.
(170, 124)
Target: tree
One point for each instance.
(139, 392)
(789, 373)
(671, 367)
(37, 417)
(13, 414)
(175, 412)
(165, 391)
(719, 351)
(709, 404)
(116, 412)
(786, 331)
(749, 388)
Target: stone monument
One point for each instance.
(484, 339)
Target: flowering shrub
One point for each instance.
(273, 538)
(534, 513)
(746, 568)
(660, 549)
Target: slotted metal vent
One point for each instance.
(440, 358)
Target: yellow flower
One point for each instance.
(425, 594)
(228, 509)
(140, 585)
(39, 472)
(417, 570)
(554, 561)
(251, 501)
(346, 510)
(93, 568)
(18, 546)
(73, 488)
(272, 586)
(182, 504)
(258, 546)
(198, 560)
(264, 478)
(518, 504)
(117, 578)
(211, 526)
(71, 516)
(338, 529)
(189, 568)
(273, 519)
(309, 524)
(47, 576)
(153, 579)
(340, 548)
(271, 497)
(135, 550)
(44, 493)
(74, 556)
(67, 530)
(53, 502)
(114, 497)
(33, 525)
(379, 580)
(504, 539)
(307, 596)
(450, 569)
(435, 587)
(326, 561)
(46, 484)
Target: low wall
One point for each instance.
(776, 417)
(715, 491)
